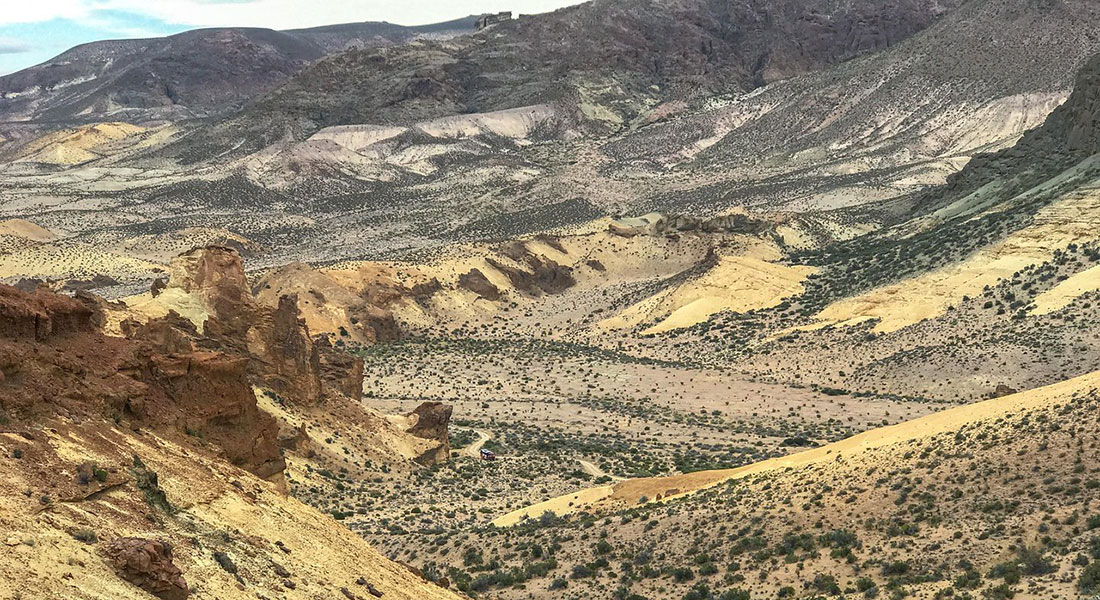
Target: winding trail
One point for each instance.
(597, 472)
(474, 449)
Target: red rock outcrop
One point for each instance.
(545, 276)
(216, 276)
(476, 281)
(172, 334)
(276, 339)
(212, 392)
(376, 324)
(40, 315)
(53, 358)
(148, 565)
(280, 341)
(340, 372)
(296, 439)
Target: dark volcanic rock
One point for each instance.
(1070, 134)
(651, 49)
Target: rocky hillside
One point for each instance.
(133, 468)
(1070, 135)
(154, 460)
(192, 74)
(622, 123)
(659, 50)
(607, 58)
(994, 501)
(877, 127)
(624, 136)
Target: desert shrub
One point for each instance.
(682, 574)
(87, 536)
(1089, 582)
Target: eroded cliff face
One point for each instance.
(215, 359)
(328, 306)
(39, 315)
(215, 275)
(276, 340)
(118, 457)
(291, 364)
(656, 224)
(216, 401)
(340, 372)
(55, 360)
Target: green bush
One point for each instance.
(1090, 579)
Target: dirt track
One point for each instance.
(474, 449)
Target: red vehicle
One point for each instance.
(488, 454)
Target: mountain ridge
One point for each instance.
(196, 73)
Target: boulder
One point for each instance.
(374, 323)
(148, 565)
(1003, 390)
(296, 439)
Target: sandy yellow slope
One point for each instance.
(219, 509)
(736, 283)
(1071, 219)
(76, 145)
(1059, 296)
(187, 305)
(635, 491)
(72, 261)
(25, 229)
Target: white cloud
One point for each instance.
(18, 11)
(276, 14)
(13, 46)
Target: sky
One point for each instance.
(33, 31)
